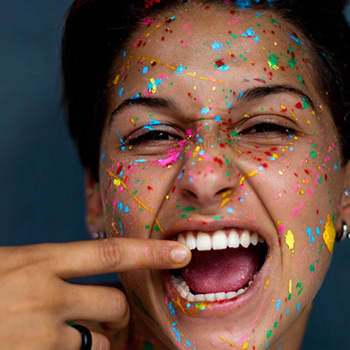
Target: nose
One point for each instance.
(207, 177)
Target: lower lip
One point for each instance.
(206, 309)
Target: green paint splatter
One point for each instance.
(312, 268)
(234, 133)
(313, 154)
(147, 227)
(228, 174)
(217, 218)
(185, 216)
(189, 209)
(269, 333)
(301, 81)
(275, 324)
(292, 62)
(273, 61)
(157, 228)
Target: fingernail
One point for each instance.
(178, 255)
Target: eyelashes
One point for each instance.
(155, 137)
(268, 129)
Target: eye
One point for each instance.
(268, 128)
(154, 136)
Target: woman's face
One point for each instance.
(219, 136)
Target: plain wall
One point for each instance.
(41, 181)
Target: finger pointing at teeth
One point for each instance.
(119, 255)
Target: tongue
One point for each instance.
(218, 271)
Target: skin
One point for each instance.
(282, 184)
(37, 299)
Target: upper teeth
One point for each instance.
(219, 240)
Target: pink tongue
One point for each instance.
(218, 271)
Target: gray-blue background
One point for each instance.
(41, 181)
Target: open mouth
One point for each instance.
(224, 264)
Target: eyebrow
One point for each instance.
(150, 102)
(257, 93)
(252, 94)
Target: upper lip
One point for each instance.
(206, 225)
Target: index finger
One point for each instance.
(89, 258)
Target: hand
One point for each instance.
(36, 301)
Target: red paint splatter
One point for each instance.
(173, 190)
(151, 2)
(149, 188)
(219, 161)
(219, 62)
(299, 105)
(163, 38)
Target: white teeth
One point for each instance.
(254, 238)
(191, 241)
(181, 239)
(220, 296)
(210, 297)
(219, 240)
(245, 239)
(233, 239)
(203, 241)
(184, 290)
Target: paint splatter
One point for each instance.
(329, 234)
(290, 240)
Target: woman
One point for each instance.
(218, 125)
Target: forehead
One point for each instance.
(212, 48)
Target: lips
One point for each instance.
(224, 264)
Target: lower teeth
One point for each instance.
(184, 290)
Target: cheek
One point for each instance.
(133, 193)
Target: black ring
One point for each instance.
(86, 338)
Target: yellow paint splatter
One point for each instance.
(193, 75)
(248, 175)
(230, 342)
(153, 89)
(329, 234)
(290, 286)
(267, 284)
(290, 240)
(245, 346)
(117, 181)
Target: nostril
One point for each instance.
(224, 191)
(190, 194)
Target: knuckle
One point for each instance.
(109, 253)
(119, 304)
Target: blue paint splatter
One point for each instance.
(127, 209)
(205, 110)
(179, 70)
(216, 46)
(249, 33)
(140, 160)
(121, 92)
(218, 119)
(145, 70)
(224, 68)
(103, 155)
(135, 97)
(171, 307)
(278, 305)
(295, 39)
(298, 307)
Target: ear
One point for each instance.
(94, 206)
(344, 210)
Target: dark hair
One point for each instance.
(97, 30)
